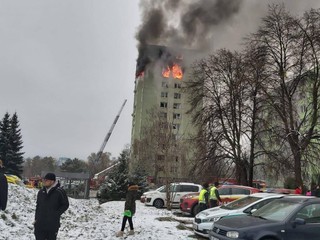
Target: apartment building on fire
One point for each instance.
(162, 131)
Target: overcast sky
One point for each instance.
(66, 67)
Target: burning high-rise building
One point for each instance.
(161, 128)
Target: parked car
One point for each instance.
(157, 198)
(203, 221)
(288, 218)
(228, 193)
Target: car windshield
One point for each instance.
(277, 210)
(173, 188)
(240, 203)
(161, 189)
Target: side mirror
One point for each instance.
(253, 210)
(299, 221)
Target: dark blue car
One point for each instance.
(288, 218)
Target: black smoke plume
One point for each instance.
(181, 23)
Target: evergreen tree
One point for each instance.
(11, 144)
(4, 138)
(116, 185)
(139, 177)
(14, 158)
(75, 165)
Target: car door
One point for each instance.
(225, 194)
(305, 224)
(176, 193)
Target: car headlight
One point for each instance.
(214, 219)
(232, 234)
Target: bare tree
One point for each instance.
(162, 150)
(291, 48)
(224, 109)
(97, 166)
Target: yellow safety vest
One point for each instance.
(201, 196)
(213, 193)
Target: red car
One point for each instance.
(228, 193)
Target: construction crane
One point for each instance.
(109, 133)
(103, 145)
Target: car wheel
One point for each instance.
(158, 203)
(195, 210)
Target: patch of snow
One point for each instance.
(87, 220)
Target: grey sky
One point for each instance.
(66, 67)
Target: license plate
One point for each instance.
(213, 238)
(195, 226)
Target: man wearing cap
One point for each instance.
(3, 188)
(52, 202)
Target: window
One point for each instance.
(163, 104)
(163, 115)
(164, 94)
(236, 191)
(224, 191)
(259, 205)
(163, 125)
(160, 157)
(176, 126)
(174, 170)
(164, 84)
(310, 213)
(177, 85)
(240, 203)
(175, 188)
(176, 116)
(189, 188)
(177, 95)
(177, 105)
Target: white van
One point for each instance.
(157, 198)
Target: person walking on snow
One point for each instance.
(129, 208)
(3, 188)
(52, 202)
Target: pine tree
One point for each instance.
(116, 185)
(15, 156)
(11, 144)
(4, 138)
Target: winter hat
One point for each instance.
(50, 176)
(130, 183)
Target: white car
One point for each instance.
(204, 220)
(158, 198)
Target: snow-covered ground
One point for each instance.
(86, 219)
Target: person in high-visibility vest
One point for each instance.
(204, 197)
(214, 196)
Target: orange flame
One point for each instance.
(166, 72)
(176, 71)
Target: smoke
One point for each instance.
(181, 23)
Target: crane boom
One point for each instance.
(109, 133)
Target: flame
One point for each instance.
(175, 70)
(166, 72)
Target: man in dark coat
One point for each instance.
(3, 188)
(129, 208)
(52, 202)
